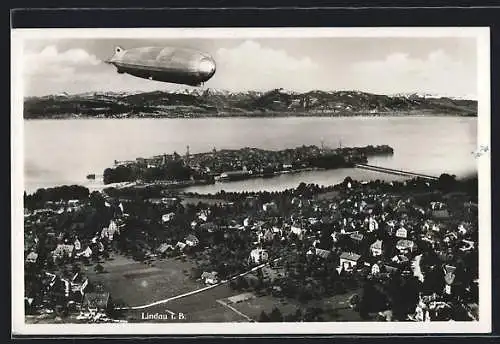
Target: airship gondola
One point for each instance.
(165, 64)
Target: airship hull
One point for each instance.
(165, 64)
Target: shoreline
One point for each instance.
(364, 115)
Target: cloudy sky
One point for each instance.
(441, 66)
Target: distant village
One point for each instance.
(408, 249)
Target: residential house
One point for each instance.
(192, 240)
(270, 207)
(436, 228)
(107, 233)
(78, 285)
(464, 228)
(164, 248)
(450, 237)
(210, 277)
(96, 302)
(63, 250)
(402, 233)
(167, 217)
(87, 253)
(180, 245)
(443, 214)
(271, 274)
(390, 269)
(259, 256)
(266, 235)
(437, 205)
(372, 224)
(297, 230)
(247, 222)
(467, 245)
(416, 268)
(376, 248)
(391, 226)
(73, 203)
(357, 237)
(32, 257)
(203, 216)
(400, 259)
(210, 227)
(322, 253)
(77, 244)
(449, 278)
(170, 201)
(405, 246)
(100, 246)
(348, 260)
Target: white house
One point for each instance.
(348, 260)
(167, 217)
(322, 253)
(270, 207)
(210, 278)
(192, 241)
(467, 245)
(77, 244)
(203, 216)
(32, 257)
(259, 256)
(87, 253)
(463, 229)
(372, 224)
(376, 248)
(180, 245)
(402, 233)
(297, 231)
(63, 250)
(405, 246)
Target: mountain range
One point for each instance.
(220, 103)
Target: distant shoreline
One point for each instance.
(254, 116)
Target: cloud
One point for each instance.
(50, 70)
(253, 66)
(49, 60)
(437, 73)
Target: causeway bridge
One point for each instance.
(395, 172)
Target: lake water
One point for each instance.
(61, 152)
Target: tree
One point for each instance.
(447, 182)
(264, 317)
(276, 315)
(99, 268)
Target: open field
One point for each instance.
(202, 307)
(254, 307)
(136, 283)
(214, 305)
(335, 308)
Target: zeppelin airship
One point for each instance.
(165, 64)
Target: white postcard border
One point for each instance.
(19, 327)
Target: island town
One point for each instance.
(230, 165)
(359, 250)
